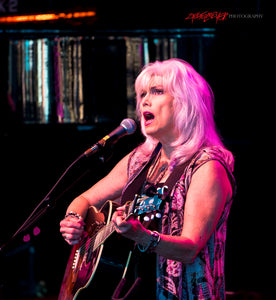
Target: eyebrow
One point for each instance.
(158, 87)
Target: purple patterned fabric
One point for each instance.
(204, 278)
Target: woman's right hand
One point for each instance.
(72, 230)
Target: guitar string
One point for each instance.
(92, 239)
(102, 231)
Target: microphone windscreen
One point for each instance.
(129, 125)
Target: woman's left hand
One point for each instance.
(131, 228)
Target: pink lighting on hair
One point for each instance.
(193, 105)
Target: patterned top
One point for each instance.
(204, 278)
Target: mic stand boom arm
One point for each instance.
(127, 126)
(44, 205)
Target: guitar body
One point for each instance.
(84, 260)
(102, 248)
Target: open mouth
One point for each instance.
(148, 116)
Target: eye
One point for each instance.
(156, 91)
(143, 94)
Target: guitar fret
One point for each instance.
(103, 234)
(83, 262)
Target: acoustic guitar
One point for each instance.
(85, 256)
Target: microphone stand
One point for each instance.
(45, 204)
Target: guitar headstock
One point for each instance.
(150, 206)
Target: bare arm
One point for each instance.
(108, 188)
(208, 192)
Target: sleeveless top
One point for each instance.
(204, 278)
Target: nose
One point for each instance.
(146, 100)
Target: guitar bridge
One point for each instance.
(76, 259)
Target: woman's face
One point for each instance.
(157, 111)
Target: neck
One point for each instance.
(166, 153)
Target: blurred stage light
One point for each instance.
(47, 17)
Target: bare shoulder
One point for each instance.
(208, 192)
(118, 177)
(212, 176)
(121, 168)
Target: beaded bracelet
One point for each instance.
(154, 241)
(74, 215)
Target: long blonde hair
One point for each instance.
(194, 108)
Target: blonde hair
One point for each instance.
(193, 106)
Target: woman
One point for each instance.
(175, 107)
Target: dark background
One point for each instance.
(34, 156)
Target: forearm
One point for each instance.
(176, 248)
(108, 188)
(95, 196)
(79, 205)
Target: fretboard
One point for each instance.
(103, 234)
(106, 231)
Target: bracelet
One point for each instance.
(74, 215)
(154, 241)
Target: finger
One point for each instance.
(72, 234)
(121, 208)
(72, 239)
(119, 221)
(115, 215)
(116, 219)
(121, 224)
(72, 242)
(73, 219)
(72, 223)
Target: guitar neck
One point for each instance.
(85, 256)
(104, 233)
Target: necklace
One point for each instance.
(154, 176)
(156, 173)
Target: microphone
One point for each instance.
(127, 127)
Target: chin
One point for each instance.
(152, 134)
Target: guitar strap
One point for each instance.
(135, 184)
(133, 188)
(174, 177)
